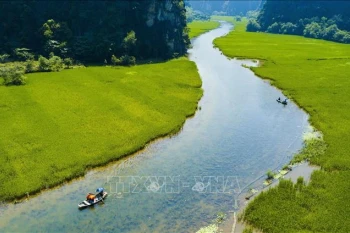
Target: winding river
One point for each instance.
(180, 183)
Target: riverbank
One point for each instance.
(314, 73)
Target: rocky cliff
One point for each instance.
(94, 30)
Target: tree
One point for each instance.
(23, 54)
(127, 60)
(68, 62)
(4, 57)
(288, 28)
(313, 30)
(274, 28)
(129, 42)
(330, 31)
(115, 61)
(253, 26)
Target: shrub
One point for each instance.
(115, 61)
(68, 62)
(238, 18)
(270, 174)
(274, 28)
(253, 26)
(13, 75)
(56, 63)
(44, 64)
(30, 66)
(127, 60)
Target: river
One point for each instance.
(180, 183)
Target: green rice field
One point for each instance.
(62, 123)
(316, 75)
(200, 27)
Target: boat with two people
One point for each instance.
(284, 102)
(92, 199)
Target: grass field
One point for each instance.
(62, 123)
(199, 27)
(316, 75)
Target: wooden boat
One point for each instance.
(92, 199)
(284, 102)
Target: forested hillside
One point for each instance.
(222, 7)
(328, 20)
(93, 30)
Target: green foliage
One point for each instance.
(55, 63)
(224, 8)
(195, 15)
(321, 20)
(129, 42)
(270, 174)
(30, 66)
(238, 18)
(318, 80)
(44, 64)
(92, 31)
(13, 75)
(68, 62)
(115, 61)
(252, 14)
(313, 148)
(4, 57)
(248, 230)
(127, 60)
(23, 54)
(125, 107)
(253, 26)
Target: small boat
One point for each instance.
(284, 102)
(92, 199)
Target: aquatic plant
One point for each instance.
(213, 228)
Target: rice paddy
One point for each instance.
(62, 123)
(200, 27)
(315, 74)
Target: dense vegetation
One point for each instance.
(222, 7)
(92, 31)
(195, 15)
(315, 73)
(62, 123)
(329, 20)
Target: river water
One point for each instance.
(180, 183)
